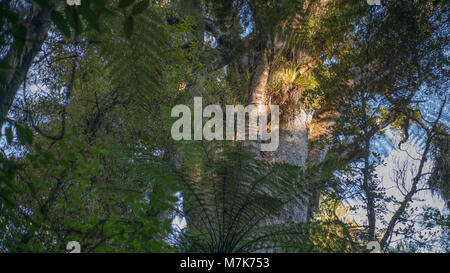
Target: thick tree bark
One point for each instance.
(297, 129)
(319, 132)
(293, 149)
(293, 144)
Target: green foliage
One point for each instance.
(87, 154)
(228, 197)
(440, 176)
(80, 195)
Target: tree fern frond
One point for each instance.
(230, 195)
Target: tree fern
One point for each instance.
(228, 197)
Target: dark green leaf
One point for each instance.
(140, 7)
(128, 26)
(24, 134)
(4, 66)
(60, 23)
(123, 4)
(9, 134)
(90, 17)
(11, 16)
(42, 2)
(20, 33)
